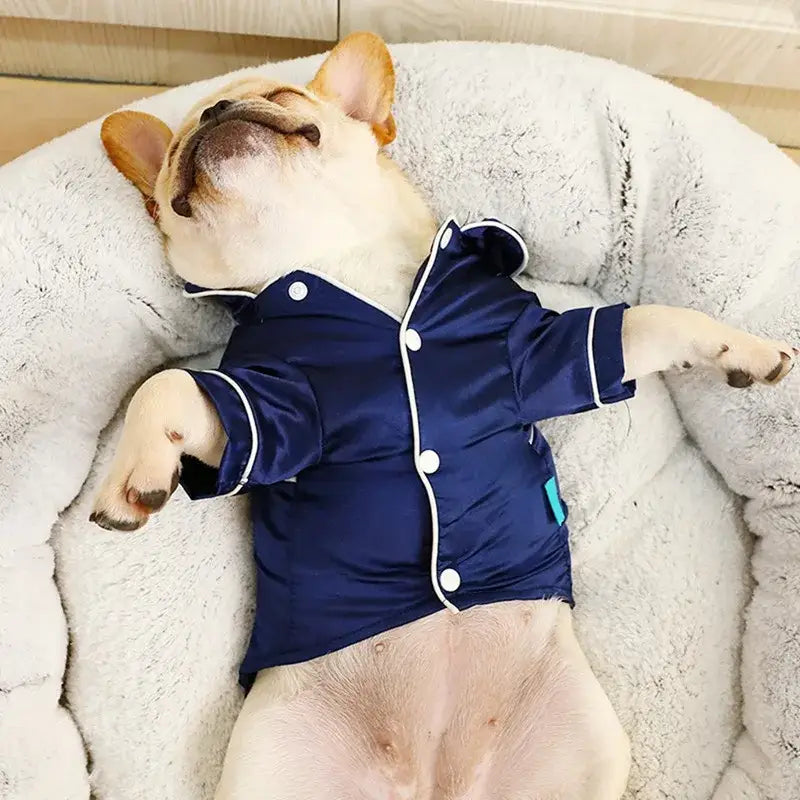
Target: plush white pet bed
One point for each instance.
(625, 188)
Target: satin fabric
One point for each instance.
(318, 408)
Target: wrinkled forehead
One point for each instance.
(249, 86)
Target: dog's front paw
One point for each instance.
(142, 478)
(746, 359)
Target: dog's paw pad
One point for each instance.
(739, 379)
(153, 500)
(130, 495)
(111, 524)
(746, 359)
(783, 367)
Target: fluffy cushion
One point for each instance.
(625, 188)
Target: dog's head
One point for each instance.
(262, 176)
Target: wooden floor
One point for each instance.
(34, 111)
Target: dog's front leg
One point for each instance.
(168, 416)
(658, 338)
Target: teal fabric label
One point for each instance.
(551, 489)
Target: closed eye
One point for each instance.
(172, 148)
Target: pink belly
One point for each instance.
(451, 706)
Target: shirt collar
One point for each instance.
(501, 250)
(236, 300)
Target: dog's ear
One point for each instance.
(358, 75)
(136, 143)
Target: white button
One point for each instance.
(449, 580)
(413, 339)
(429, 461)
(298, 291)
(446, 237)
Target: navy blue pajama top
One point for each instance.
(393, 464)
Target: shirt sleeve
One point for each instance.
(566, 363)
(272, 420)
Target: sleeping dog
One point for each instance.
(377, 400)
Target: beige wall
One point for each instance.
(755, 42)
(124, 54)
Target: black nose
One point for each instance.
(212, 112)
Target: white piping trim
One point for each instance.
(412, 401)
(348, 290)
(590, 355)
(332, 281)
(251, 460)
(490, 223)
(486, 223)
(265, 286)
(223, 292)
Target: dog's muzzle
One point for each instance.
(269, 115)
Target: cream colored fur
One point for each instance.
(496, 703)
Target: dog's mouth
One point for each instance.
(237, 119)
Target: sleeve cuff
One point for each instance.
(606, 359)
(201, 481)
